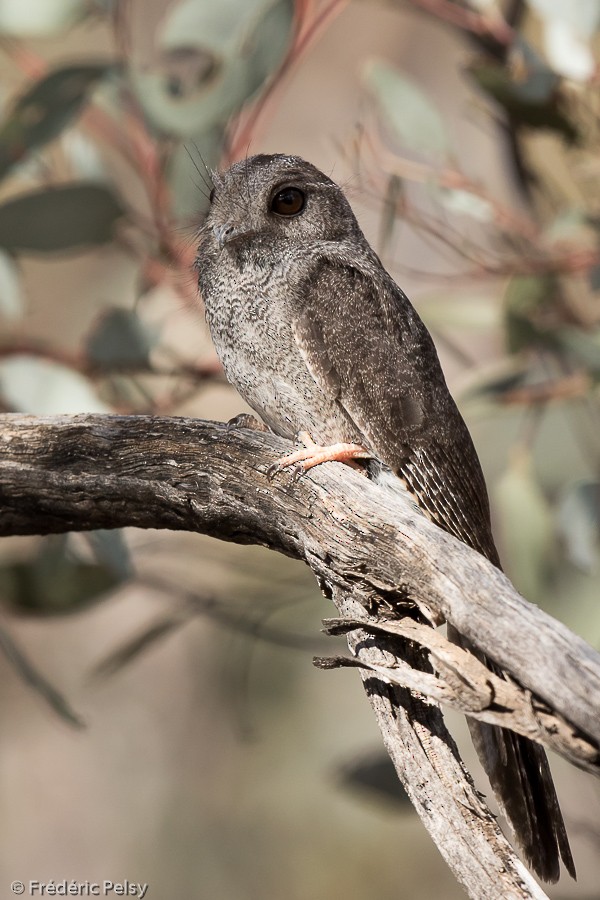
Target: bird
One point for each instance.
(322, 343)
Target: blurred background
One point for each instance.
(163, 722)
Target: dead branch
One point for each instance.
(461, 681)
(392, 574)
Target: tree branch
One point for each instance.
(391, 573)
(465, 684)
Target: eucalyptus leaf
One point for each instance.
(56, 219)
(582, 15)
(579, 523)
(111, 551)
(523, 298)
(28, 18)
(53, 583)
(408, 113)
(533, 101)
(121, 339)
(41, 387)
(213, 58)
(570, 224)
(465, 203)
(582, 346)
(11, 300)
(526, 525)
(536, 82)
(568, 51)
(375, 775)
(83, 156)
(41, 113)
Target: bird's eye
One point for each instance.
(288, 202)
(211, 196)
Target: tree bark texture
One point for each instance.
(392, 574)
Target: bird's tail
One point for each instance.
(520, 776)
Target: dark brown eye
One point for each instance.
(288, 202)
(211, 196)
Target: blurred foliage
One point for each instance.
(59, 218)
(112, 154)
(53, 582)
(41, 113)
(91, 154)
(544, 250)
(376, 776)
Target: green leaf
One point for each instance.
(374, 774)
(569, 30)
(59, 218)
(45, 110)
(582, 346)
(568, 51)
(121, 339)
(29, 18)
(582, 15)
(579, 523)
(212, 58)
(524, 298)
(407, 111)
(533, 99)
(570, 224)
(536, 83)
(464, 203)
(526, 525)
(83, 156)
(111, 551)
(53, 583)
(40, 387)
(11, 301)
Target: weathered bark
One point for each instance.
(378, 559)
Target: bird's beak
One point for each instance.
(227, 232)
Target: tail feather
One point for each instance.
(520, 776)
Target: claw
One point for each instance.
(273, 470)
(245, 420)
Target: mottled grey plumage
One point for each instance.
(316, 336)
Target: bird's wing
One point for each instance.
(359, 355)
(366, 348)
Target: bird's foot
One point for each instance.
(312, 454)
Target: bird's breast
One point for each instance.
(250, 311)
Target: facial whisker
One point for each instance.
(207, 184)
